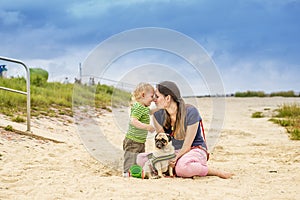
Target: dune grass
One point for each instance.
(54, 99)
(289, 117)
(257, 115)
(249, 93)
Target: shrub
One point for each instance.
(289, 110)
(9, 128)
(289, 117)
(18, 119)
(250, 94)
(284, 94)
(38, 76)
(56, 95)
(257, 115)
(295, 134)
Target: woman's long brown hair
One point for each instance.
(179, 128)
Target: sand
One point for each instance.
(59, 165)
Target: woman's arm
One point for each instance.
(191, 132)
(158, 127)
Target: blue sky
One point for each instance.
(255, 44)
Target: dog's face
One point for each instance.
(162, 140)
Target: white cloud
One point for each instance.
(251, 49)
(9, 18)
(267, 75)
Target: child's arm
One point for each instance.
(136, 123)
(153, 110)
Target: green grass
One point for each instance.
(250, 94)
(289, 117)
(18, 119)
(56, 99)
(263, 94)
(9, 128)
(257, 115)
(289, 110)
(283, 94)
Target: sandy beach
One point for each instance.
(64, 163)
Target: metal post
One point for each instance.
(27, 85)
(80, 72)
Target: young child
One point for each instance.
(134, 141)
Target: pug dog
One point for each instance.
(158, 162)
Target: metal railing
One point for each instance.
(27, 93)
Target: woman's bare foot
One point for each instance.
(225, 175)
(221, 174)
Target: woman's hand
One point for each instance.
(150, 128)
(172, 163)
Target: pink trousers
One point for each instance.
(193, 163)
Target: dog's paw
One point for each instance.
(156, 177)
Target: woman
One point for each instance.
(181, 121)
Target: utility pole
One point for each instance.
(80, 72)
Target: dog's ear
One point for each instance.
(156, 135)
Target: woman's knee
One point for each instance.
(190, 169)
(141, 159)
(181, 169)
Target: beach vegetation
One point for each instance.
(288, 116)
(18, 119)
(257, 115)
(289, 110)
(38, 76)
(9, 128)
(55, 99)
(289, 93)
(250, 94)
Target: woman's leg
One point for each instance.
(192, 164)
(142, 158)
(221, 174)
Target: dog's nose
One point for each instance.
(159, 145)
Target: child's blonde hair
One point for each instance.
(140, 89)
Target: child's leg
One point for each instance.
(128, 160)
(131, 150)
